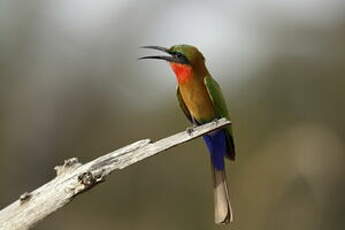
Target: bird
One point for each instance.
(201, 99)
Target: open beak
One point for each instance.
(170, 58)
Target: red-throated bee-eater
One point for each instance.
(202, 101)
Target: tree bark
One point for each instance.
(74, 178)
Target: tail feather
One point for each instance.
(230, 154)
(222, 207)
(218, 145)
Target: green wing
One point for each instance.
(183, 105)
(217, 98)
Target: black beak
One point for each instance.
(172, 58)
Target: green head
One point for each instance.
(191, 53)
(183, 54)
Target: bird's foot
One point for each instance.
(190, 130)
(216, 120)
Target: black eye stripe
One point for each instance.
(182, 58)
(177, 54)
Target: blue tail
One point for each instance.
(217, 145)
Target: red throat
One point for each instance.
(183, 72)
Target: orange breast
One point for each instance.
(197, 100)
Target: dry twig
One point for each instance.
(73, 177)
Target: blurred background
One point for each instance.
(70, 85)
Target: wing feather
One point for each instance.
(218, 101)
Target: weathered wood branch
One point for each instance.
(74, 178)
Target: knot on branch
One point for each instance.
(88, 179)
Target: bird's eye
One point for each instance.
(178, 55)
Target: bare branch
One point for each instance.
(73, 177)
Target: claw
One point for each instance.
(190, 130)
(216, 120)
